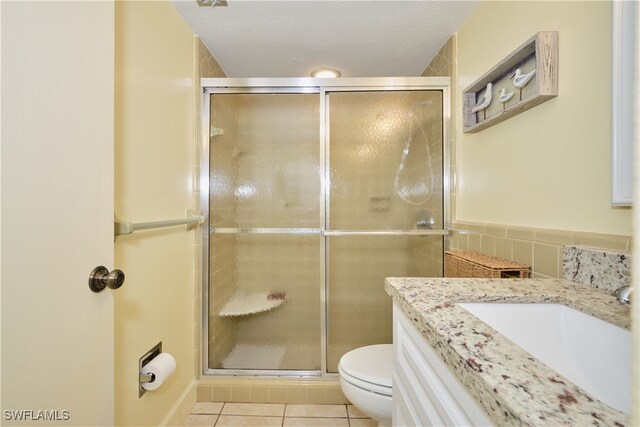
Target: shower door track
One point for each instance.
(322, 87)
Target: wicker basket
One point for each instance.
(473, 264)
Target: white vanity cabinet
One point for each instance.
(425, 390)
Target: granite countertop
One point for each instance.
(511, 385)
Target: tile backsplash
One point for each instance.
(540, 248)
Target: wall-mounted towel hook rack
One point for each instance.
(125, 227)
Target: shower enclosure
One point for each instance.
(318, 189)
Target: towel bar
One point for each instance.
(125, 227)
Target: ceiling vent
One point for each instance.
(212, 3)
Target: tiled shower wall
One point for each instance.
(444, 64)
(386, 161)
(222, 330)
(209, 67)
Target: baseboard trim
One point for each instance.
(181, 409)
(320, 390)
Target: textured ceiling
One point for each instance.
(291, 38)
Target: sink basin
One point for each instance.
(593, 354)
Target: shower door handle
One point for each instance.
(101, 278)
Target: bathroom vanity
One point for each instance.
(451, 368)
(426, 391)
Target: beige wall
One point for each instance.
(550, 166)
(155, 133)
(510, 184)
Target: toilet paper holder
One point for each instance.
(147, 378)
(146, 358)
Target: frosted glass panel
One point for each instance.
(386, 160)
(359, 310)
(265, 169)
(264, 305)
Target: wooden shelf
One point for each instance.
(540, 52)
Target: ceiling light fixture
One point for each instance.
(322, 73)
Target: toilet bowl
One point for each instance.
(365, 379)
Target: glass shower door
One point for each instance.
(315, 195)
(265, 236)
(384, 206)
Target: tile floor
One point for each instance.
(276, 414)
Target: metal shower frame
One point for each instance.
(322, 87)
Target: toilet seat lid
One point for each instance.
(373, 364)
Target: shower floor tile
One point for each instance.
(276, 415)
(250, 356)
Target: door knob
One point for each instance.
(100, 278)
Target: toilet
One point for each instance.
(365, 379)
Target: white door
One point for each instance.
(57, 212)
